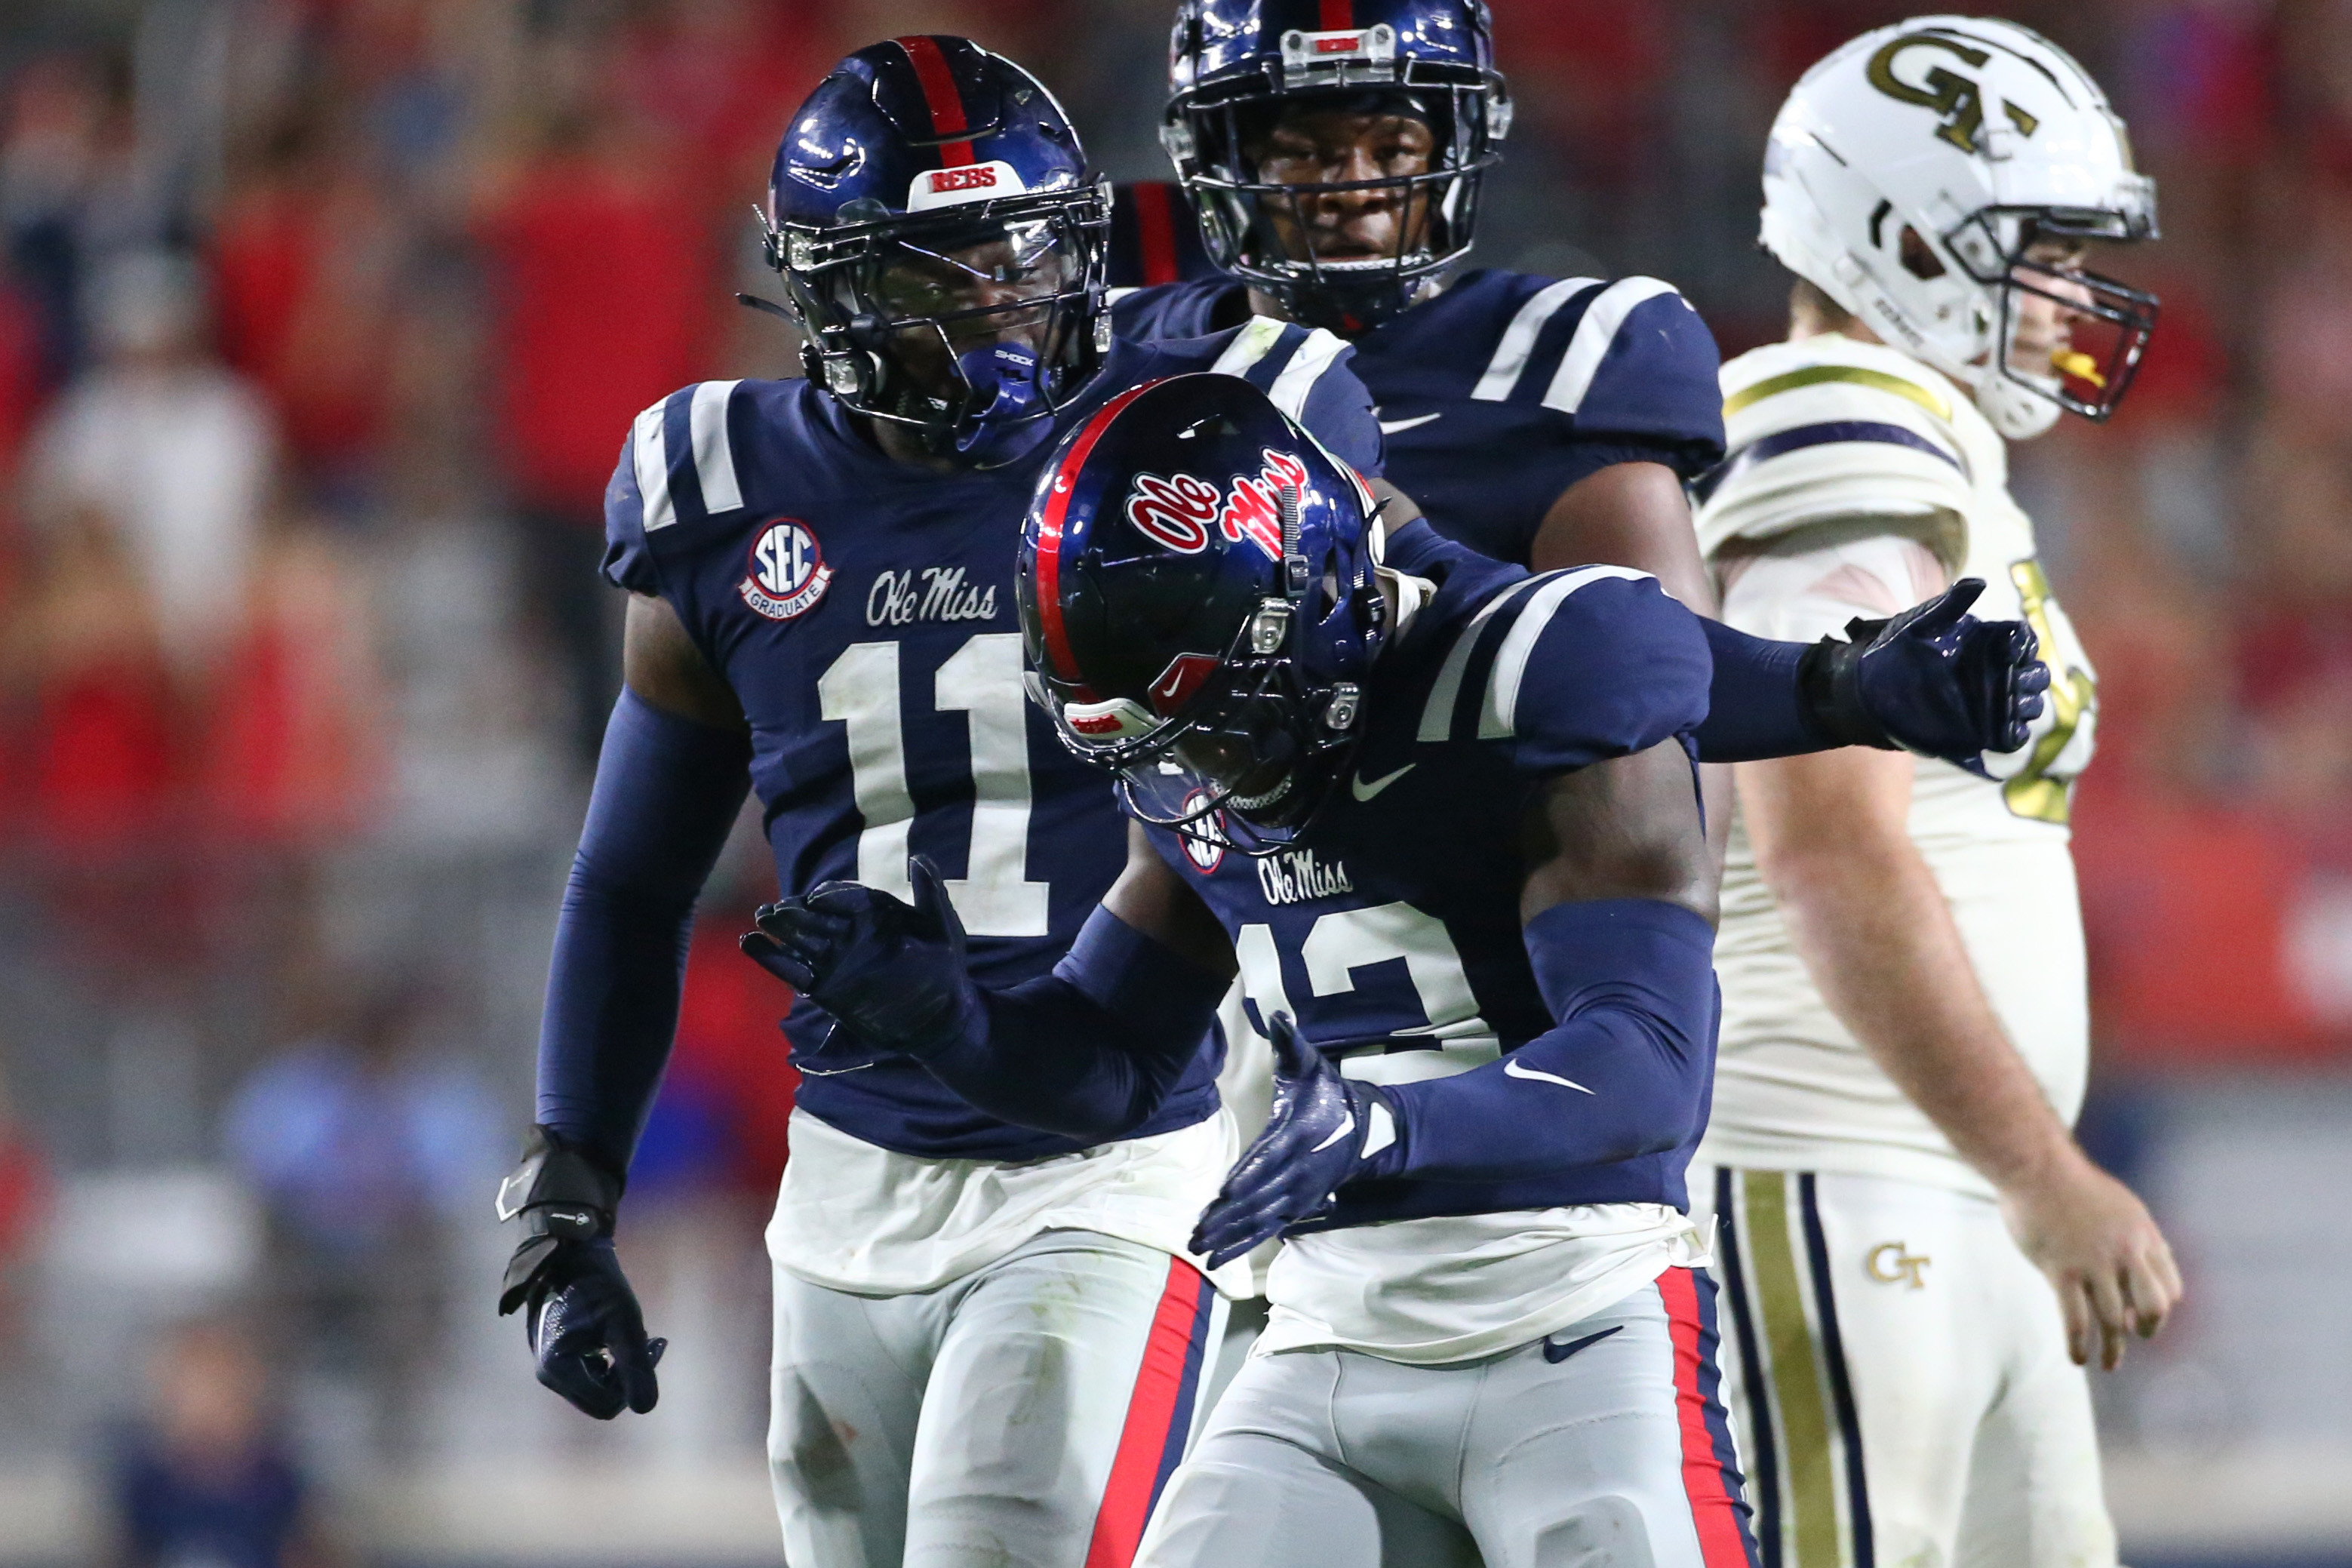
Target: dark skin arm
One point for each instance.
(1635, 514)
(1627, 829)
(1152, 898)
(666, 671)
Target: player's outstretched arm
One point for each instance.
(1090, 1050)
(1833, 841)
(672, 775)
(1935, 680)
(1619, 909)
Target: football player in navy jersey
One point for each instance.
(1333, 152)
(1442, 817)
(1331, 155)
(822, 611)
(987, 1337)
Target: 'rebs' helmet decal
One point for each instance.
(1978, 137)
(943, 244)
(1196, 596)
(1234, 67)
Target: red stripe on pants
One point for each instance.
(1712, 1508)
(1143, 1443)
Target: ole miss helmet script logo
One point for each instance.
(788, 571)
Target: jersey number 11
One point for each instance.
(981, 679)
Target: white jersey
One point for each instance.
(1859, 481)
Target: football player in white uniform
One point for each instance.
(1905, 1027)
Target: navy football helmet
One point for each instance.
(1236, 66)
(943, 245)
(1196, 595)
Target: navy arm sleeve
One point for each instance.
(1625, 1071)
(666, 795)
(1757, 702)
(1091, 1051)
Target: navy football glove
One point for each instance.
(893, 975)
(1318, 1136)
(1933, 680)
(579, 1313)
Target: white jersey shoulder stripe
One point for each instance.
(1438, 716)
(714, 455)
(1518, 340)
(1307, 362)
(1499, 719)
(1861, 375)
(650, 454)
(1594, 333)
(1250, 344)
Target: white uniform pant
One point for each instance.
(1898, 1379)
(1028, 1412)
(1600, 1446)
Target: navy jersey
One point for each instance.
(1391, 931)
(1503, 390)
(862, 612)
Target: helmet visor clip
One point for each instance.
(1269, 625)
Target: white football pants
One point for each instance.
(1601, 1445)
(1898, 1379)
(1028, 1412)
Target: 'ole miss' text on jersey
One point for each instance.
(1503, 389)
(1392, 933)
(862, 610)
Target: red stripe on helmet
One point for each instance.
(1339, 15)
(1049, 536)
(939, 95)
(1155, 232)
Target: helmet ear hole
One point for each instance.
(1918, 257)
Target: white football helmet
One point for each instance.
(1982, 137)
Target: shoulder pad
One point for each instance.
(1815, 438)
(1304, 370)
(1627, 358)
(1151, 313)
(677, 465)
(1572, 668)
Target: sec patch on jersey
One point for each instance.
(788, 575)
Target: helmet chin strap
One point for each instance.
(1004, 418)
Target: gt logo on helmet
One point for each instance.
(1177, 512)
(1958, 99)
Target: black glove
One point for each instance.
(893, 975)
(579, 1313)
(1315, 1139)
(1933, 680)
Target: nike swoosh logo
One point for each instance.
(1512, 1068)
(1361, 790)
(1558, 1354)
(1337, 1133)
(1390, 427)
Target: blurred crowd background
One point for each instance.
(320, 324)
